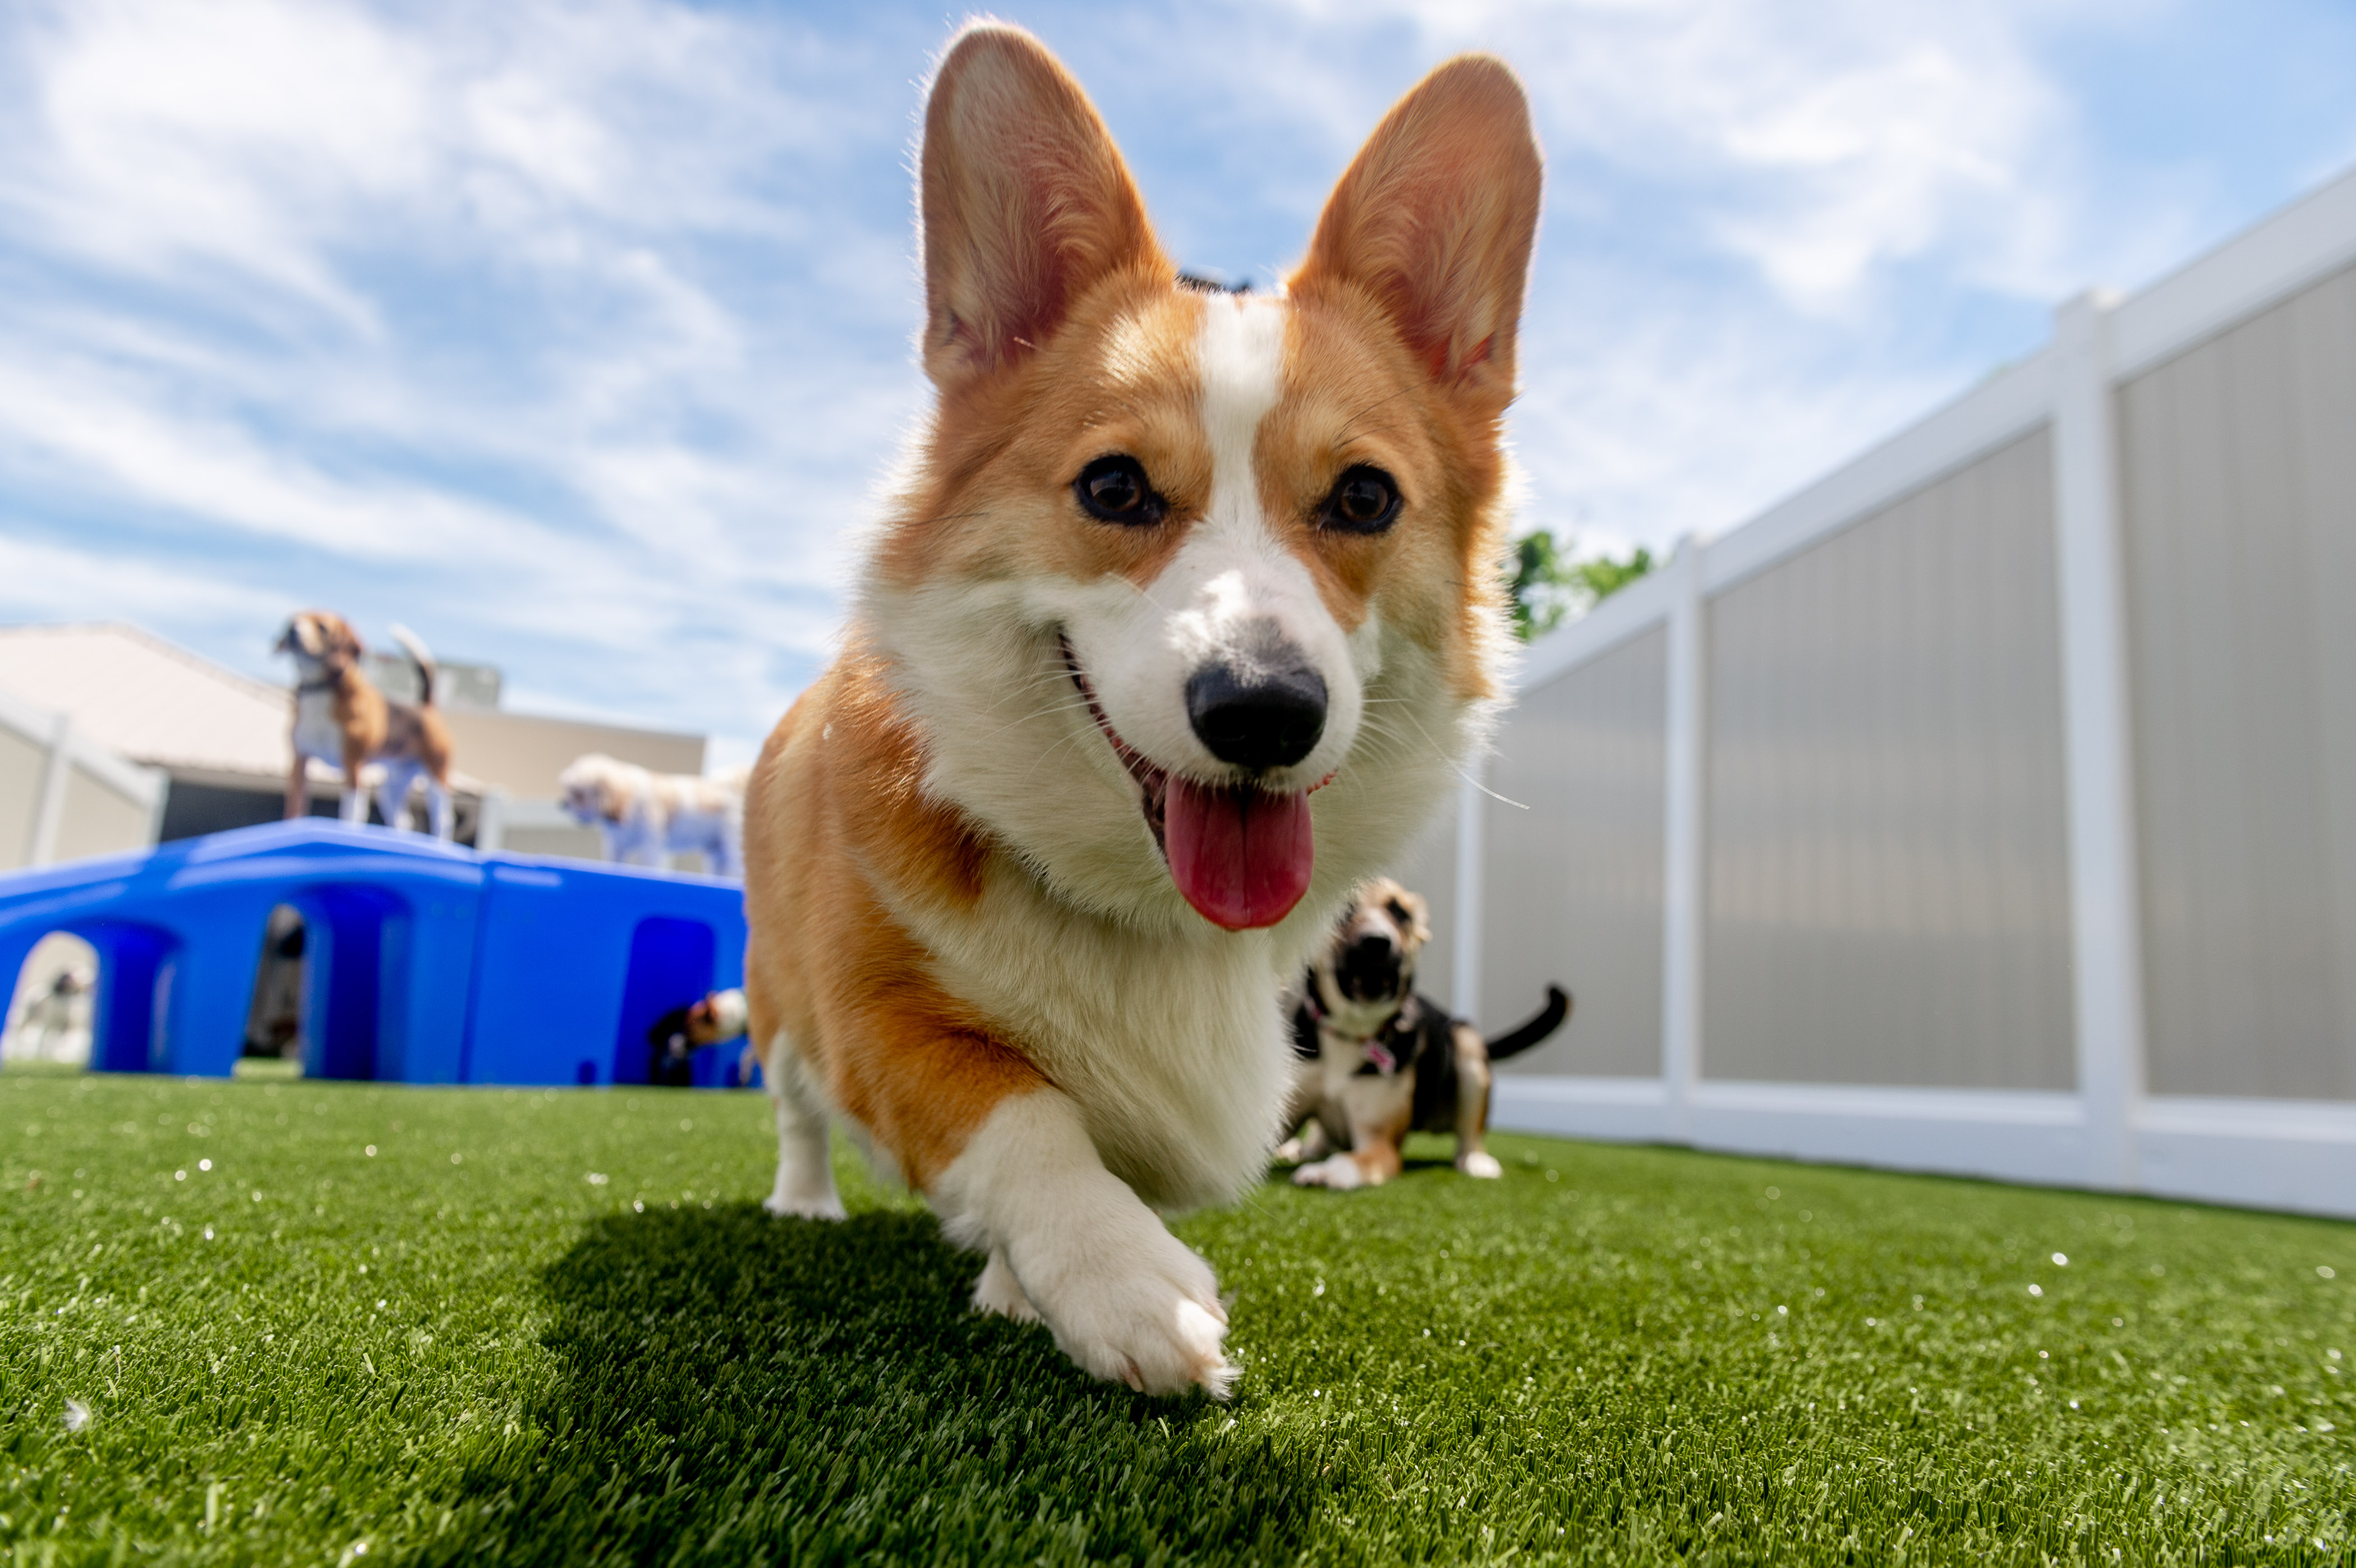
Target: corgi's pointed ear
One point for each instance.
(1026, 204)
(1435, 220)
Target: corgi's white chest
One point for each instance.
(1176, 1053)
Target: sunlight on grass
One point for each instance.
(273, 1320)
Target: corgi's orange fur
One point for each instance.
(1027, 867)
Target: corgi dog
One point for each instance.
(1180, 623)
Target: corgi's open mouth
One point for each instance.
(1240, 854)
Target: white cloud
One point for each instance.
(61, 582)
(1816, 142)
(457, 303)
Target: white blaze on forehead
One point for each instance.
(1232, 569)
(1242, 355)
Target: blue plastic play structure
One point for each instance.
(426, 963)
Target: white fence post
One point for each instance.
(49, 810)
(491, 821)
(1682, 875)
(1472, 842)
(2106, 900)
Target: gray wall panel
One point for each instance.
(2238, 469)
(1572, 884)
(1887, 870)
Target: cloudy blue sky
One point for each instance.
(576, 334)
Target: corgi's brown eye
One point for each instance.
(1115, 489)
(1365, 499)
(1398, 913)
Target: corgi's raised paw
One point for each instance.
(1138, 1307)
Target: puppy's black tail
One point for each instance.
(1549, 1020)
(415, 646)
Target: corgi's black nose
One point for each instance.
(1261, 718)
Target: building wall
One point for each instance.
(22, 762)
(570, 841)
(2238, 479)
(522, 754)
(1572, 866)
(1887, 899)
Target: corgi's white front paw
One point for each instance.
(1125, 1299)
(1339, 1172)
(1000, 1292)
(1480, 1163)
(1289, 1152)
(1130, 1303)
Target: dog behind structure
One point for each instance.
(1376, 1061)
(644, 817)
(343, 720)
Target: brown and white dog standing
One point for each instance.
(1375, 1059)
(343, 720)
(1028, 867)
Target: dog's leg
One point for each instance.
(298, 788)
(354, 807)
(1126, 1299)
(1301, 1103)
(1378, 1119)
(1309, 1143)
(1369, 1167)
(437, 801)
(804, 1184)
(1000, 1292)
(1472, 1105)
(392, 796)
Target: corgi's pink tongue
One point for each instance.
(1241, 856)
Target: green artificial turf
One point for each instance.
(487, 1326)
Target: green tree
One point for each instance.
(1545, 584)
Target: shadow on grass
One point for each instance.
(734, 1388)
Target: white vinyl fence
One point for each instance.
(1988, 807)
(63, 796)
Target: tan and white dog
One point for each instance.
(1375, 1059)
(644, 816)
(1028, 867)
(343, 720)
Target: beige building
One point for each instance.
(113, 738)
